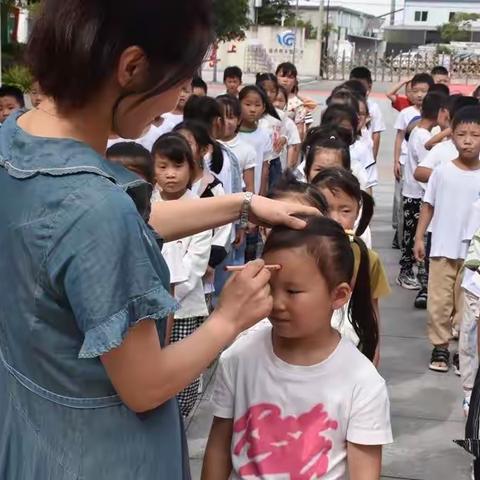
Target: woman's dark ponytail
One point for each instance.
(361, 312)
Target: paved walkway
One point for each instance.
(426, 407)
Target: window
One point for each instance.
(421, 16)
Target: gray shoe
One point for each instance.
(408, 281)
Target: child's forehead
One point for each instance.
(287, 73)
(467, 126)
(8, 98)
(421, 85)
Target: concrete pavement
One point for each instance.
(426, 406)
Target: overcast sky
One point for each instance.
(374, 7)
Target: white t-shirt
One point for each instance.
(293, 422)
(173, 118)
(403, 121)
(416, 153)
(245, 153)
(148, 139)
(293, 138)
(441, 153)
(275, 129)
(361, 152)
(188, 255)
(451, 191)
(377, 124)
(261, 141)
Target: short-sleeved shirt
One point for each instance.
(416, 153)
(377, 124)
(403, 121)
(441, 153)
(289, 418)
(401, 102)
(79, 267)
(451, 191)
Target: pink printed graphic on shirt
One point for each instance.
(284, 445)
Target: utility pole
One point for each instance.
(392, 10)
(296, 34)
(320, 35)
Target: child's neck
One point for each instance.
(172, 195)
(198, 171)
(467, 163)
(307, 351)
(248, 126)
(427, 124)
(177, 111)
(229, 137)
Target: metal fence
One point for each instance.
(463, 68)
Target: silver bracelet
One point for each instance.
(245, 212)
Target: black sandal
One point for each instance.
(440, 355)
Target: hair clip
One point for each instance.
(351, 235)
(332, 137)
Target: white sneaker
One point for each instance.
(466, 406)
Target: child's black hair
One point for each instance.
(457, 102)
(174, 147)
(325, 132)
(331, 143)
(197, 82)
(439, 88)
(12, 91)
(289, 184)
(330, 247)
(336, 114)
(269, 108)
(230, 106)
(466, 115)
(75, 45)
(287, 69)
(206, 110)
(198, 130)
(361, 73)
(203, 109)
(476, 92)
(338, 179)
(354, 86)
(134, 157)
(432, 104)
(422, 78)
(344, 96)
(439, 70)
(266, 77)
(233, 72)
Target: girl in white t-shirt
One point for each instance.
(295, 400)
(254, 102)
(174, 169)
(206, 185)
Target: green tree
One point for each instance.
(273, 11)
(231, 19)
(459, 28)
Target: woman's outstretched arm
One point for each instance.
(181, 218)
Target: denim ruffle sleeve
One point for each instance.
(110, 267)
(110, 333)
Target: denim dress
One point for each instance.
(78, 267)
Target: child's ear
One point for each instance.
(341, 295)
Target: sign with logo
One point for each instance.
(286, 39)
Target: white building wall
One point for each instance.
(438, 13)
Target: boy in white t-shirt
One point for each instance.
(377, 124)
(451, 190)
(445, 151)
(412, 193)
(419, 89)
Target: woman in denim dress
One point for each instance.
(86, 388)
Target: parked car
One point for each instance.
(408, 61)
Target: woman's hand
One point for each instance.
(246, 298)
(267, 212)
